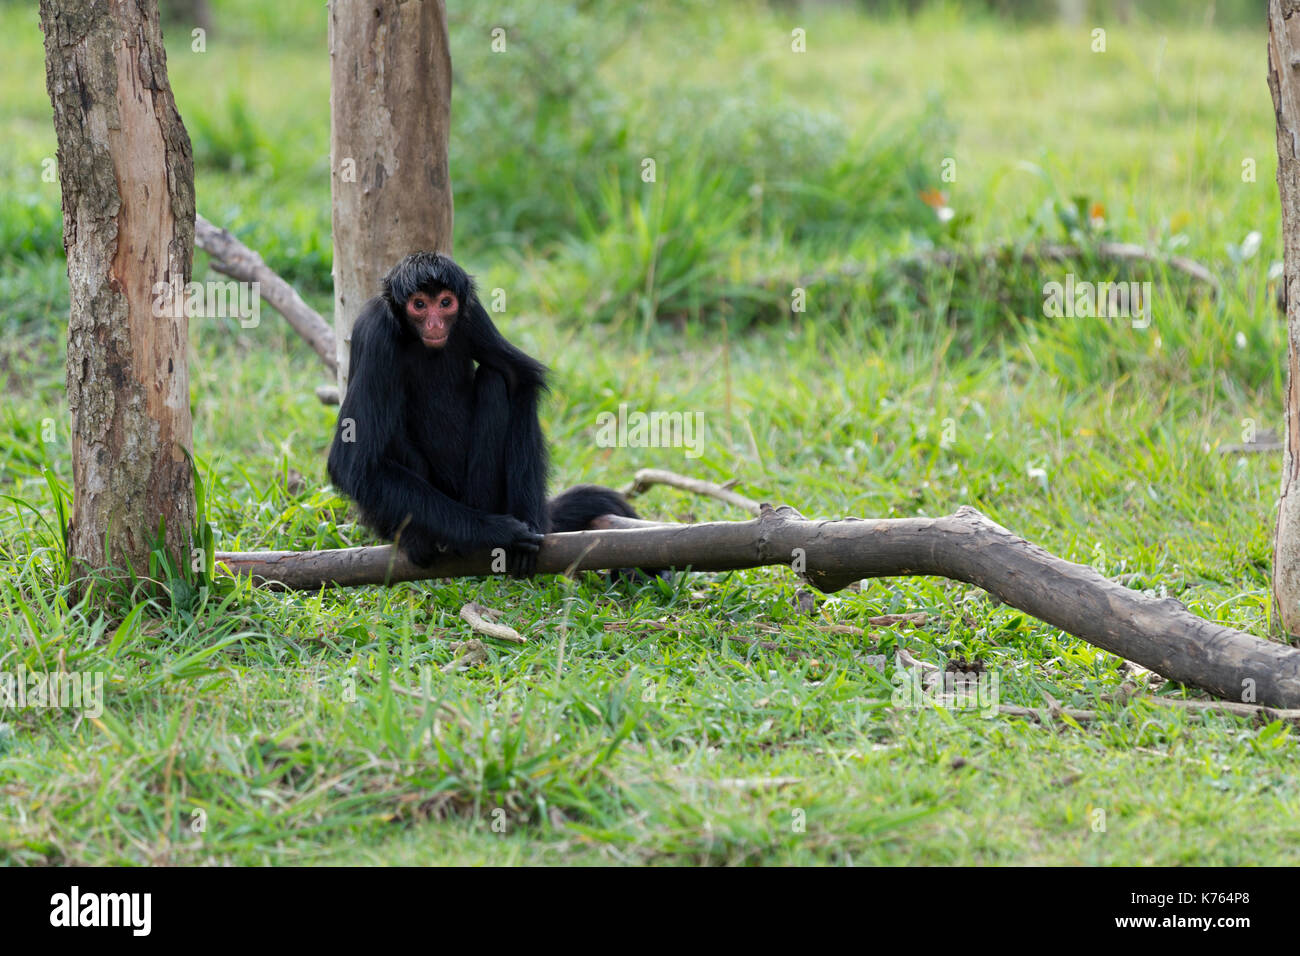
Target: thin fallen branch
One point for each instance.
(850, 629)
(1046, 715)
(648, 477)
(1124, 252)
(476, 616)
(910, 618)
(1051, 251)
(906, 659)
(231, 257)
(1160, 634)
(1251, 448)
(1229, 707)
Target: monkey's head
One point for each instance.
(430, 292)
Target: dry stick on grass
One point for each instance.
(907, 660)
(1046, 716)
(231, 257)
(476, 616)
(1227, 707)
(1231, 708)
(1122, 252)
(910, 618)
(1251, 448)
(1160, 634)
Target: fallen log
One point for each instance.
(1160, 634)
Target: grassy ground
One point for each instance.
(248, 727)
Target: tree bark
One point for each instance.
(390, 112)
(1284, 83)
(127, 178)
(1159, 634)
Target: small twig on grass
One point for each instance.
(476, 616)
(911, 619)
(1228, 707)
(1053, 705)
(1044, 716)
(849, 629)
(907, 660)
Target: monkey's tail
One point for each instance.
(577, 508)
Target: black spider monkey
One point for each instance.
(438, 440)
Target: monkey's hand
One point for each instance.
(521, 542)
(522, 560)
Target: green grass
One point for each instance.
(638, 724)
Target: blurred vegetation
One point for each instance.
(1223, 13)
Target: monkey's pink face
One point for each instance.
(432, 317)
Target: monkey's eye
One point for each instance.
(418, 303)
(446, 302)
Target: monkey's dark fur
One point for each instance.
(441, 447)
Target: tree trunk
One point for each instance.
(1284, 83)
(127, 176)
(390, 112)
